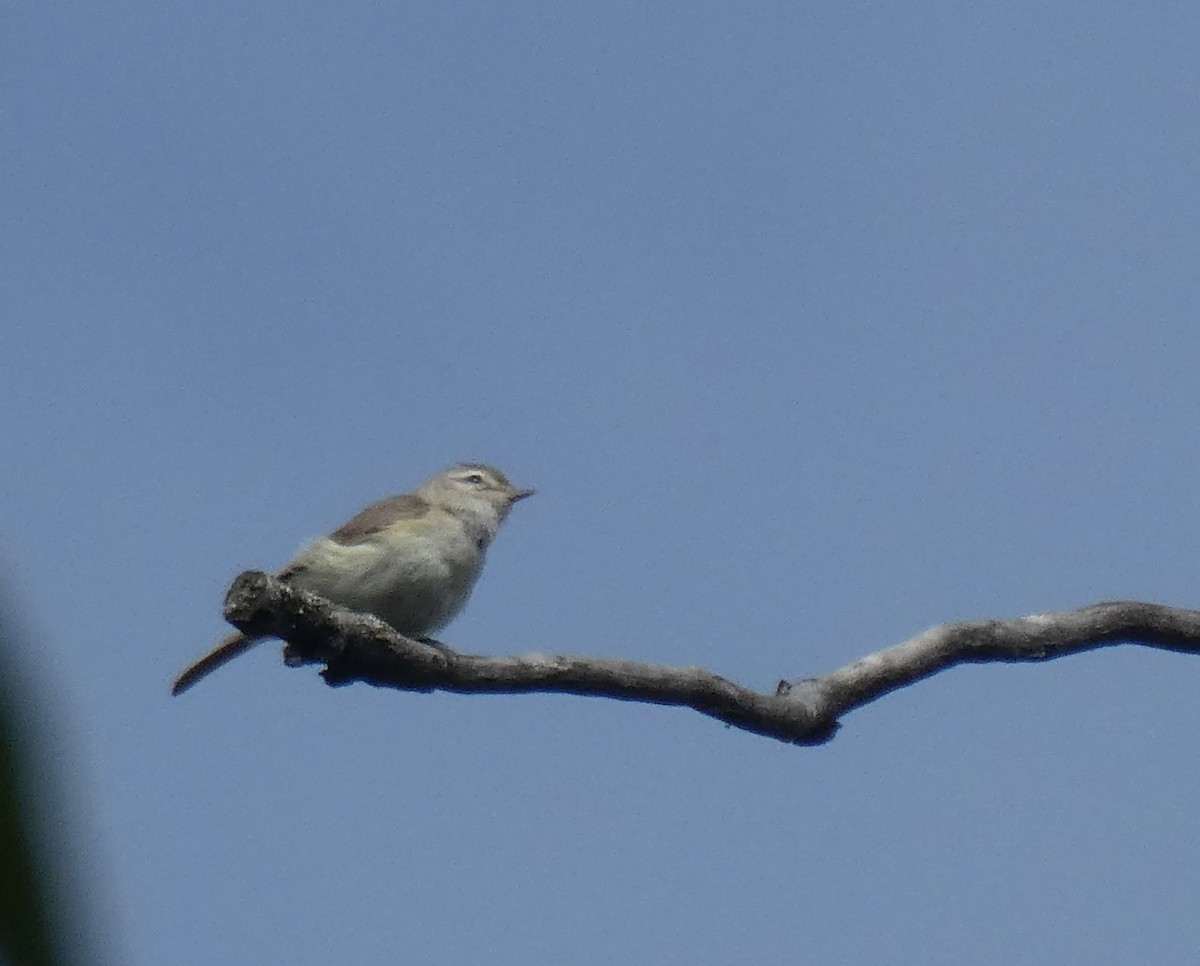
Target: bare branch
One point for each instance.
(355, 647)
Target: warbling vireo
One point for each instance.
(410, 560)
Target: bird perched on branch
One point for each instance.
(410, 559)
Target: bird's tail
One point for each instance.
(226, 650)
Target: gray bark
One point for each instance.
(355, 647)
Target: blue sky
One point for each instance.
(813, 324)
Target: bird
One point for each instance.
(410, 560)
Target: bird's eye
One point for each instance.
(474, 478)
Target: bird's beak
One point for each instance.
(521, 494)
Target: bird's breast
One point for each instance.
(416, 575)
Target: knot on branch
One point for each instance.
(351, 645)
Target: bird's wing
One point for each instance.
(378, 517)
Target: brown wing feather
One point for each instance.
(379, 516)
